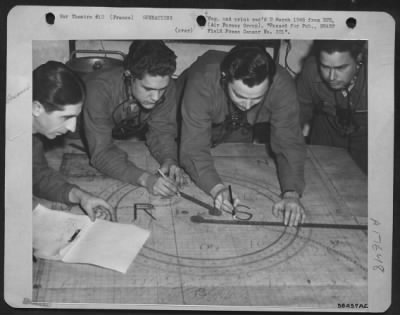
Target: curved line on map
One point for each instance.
(222, 258)
(235, 264)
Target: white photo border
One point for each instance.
(27, 23)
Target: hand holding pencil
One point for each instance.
(159, 185)
(171, 169)
(168, 187)
(224, 198)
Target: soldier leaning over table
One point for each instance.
(58, 95)
(222, 91)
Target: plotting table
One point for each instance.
(226, 263)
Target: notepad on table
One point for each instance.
(73, 238)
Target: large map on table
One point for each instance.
(223, 261)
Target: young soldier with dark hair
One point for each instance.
(241, 87)
(133, 100)
(332, 92)
(58, 95)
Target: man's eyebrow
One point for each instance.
(151, 88)
(337, 67)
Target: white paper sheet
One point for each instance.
(107, 244)
(53, 229)
(103, 243)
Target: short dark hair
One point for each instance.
(354, 47)
(55, 85)
(249, 62)
(151, 57)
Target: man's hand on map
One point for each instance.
(293, 210)
(93, 206)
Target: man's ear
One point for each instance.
(37, 108)
(360, 59)
(222, 78)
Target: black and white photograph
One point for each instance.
(200, 159)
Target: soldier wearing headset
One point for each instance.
(221, 92)
(135, 100)
(332, 92)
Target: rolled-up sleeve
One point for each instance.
(287, 141)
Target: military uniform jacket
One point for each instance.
(47, 182)
(105, 91)
(204, 102)
(315, 96)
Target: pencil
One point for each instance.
(231, 197)
(74, 235)
(159, 171)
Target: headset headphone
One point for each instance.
(135, 125)
(344, 121)
(359, 65)
(128, 86)
(128, 126)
